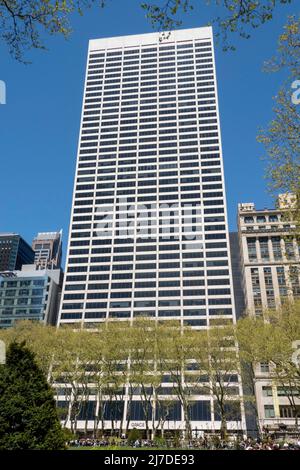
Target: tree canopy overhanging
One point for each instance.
(23, 23)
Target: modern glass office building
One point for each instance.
(29, 294)
(148, 233)
(14, 252)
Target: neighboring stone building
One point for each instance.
(270, 263)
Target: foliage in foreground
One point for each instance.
(281, 138)
(84, 363)
(28, 417)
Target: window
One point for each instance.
(288, 411)
(232, 411)
(264, 367)
(87, 410)
(139, 411)
(276, 246)
(251, 244)
(38, 282)
(269, 411)
(169, 410)
(113, 410)
(36, 301)
(264, 248)
(289, 249)
(267, 391)
(200, 411)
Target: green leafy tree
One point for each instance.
(216, 354)
(143, 367)
(134, 435)
(285, 372)
(271, 339)
(175, 351)
(281, 138)
(253, 336)
(39, 338)
(28, 417)
(237, 16)
(69, 370)
(22, 22)
(117, 338)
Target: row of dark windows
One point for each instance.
(186, 264)
(163, 72)
(108, 259)
(112, 81)
(102, 315)
(137, 294)
(141, 285)
(96, 101)
(149, 57)
(199, 410)
(164, 64)
(145, 275)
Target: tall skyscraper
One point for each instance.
(47, 248)
(14, 252)
(148, 233)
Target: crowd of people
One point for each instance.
(203, 443)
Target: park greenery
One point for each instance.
(115, 359)
(281, 138)
(28, 416)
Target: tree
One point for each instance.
(97, 371)
(134, 435)
(39, 338)
(117, 338)
(217, 358)
(285, 324)
(253, 336)
(270, 339)
(143, 366)
(281, 138)
(23, 22)
(175, 351)
(28, 417)
(69, 370)
(288, 54)
(238, 16)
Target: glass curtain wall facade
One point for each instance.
(29, 294)
(14, 252)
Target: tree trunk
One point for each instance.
(187, 421)
(223, 430)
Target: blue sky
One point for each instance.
(39, 125)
